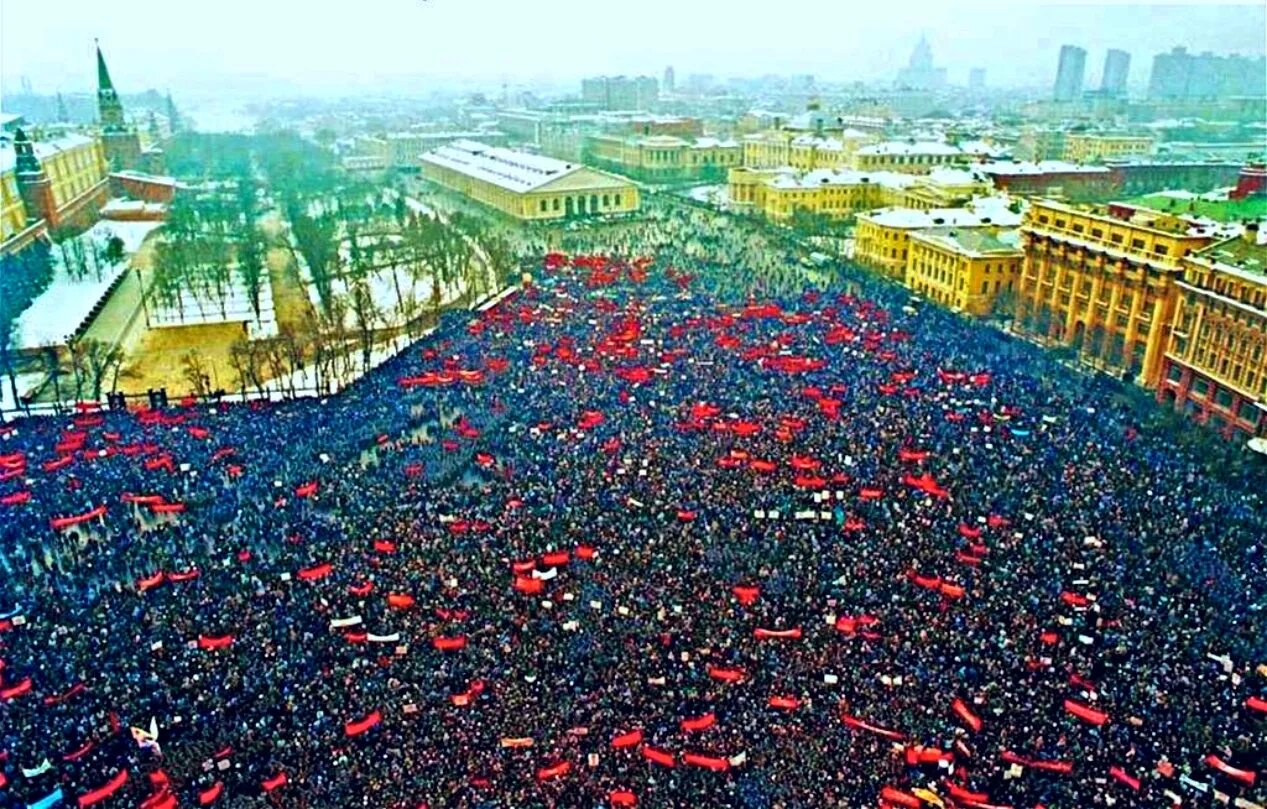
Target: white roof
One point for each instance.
(946, 175)
(899, 147)
(43, 149)
(1041, 167)
(828, 144)
(708, 143)
(914, 218)
(510, 169)
(829, 177)
(980, 147)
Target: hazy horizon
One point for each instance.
(387, 46)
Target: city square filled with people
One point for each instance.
(668, 525)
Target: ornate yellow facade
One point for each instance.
(1215, 366)
(803, 151)
(1102, 282)
(881, 238)
(965, 269)
(76, 169)
(779, 193)
(1092, 147)
(663, 157)
(906, 157)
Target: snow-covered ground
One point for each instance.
(68, 302)
(710, 195)
(192, 309)
(1217, 195)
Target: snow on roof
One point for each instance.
(946, 175)
(709, 143)
(1041, 167)
(980, 147)
(513, 170)
(914, 218)
(828, 144)
(970, 241)
(898, 147)
(831, 177)
(43, 149)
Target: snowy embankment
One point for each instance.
(72, 298)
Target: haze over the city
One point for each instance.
(388, 46)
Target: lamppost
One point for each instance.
(140, 283)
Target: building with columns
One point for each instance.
(1103, 282)
(1215, 365)
(528, 186)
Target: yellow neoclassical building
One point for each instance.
(76, 170)
(805, 151)
(965, 269)
(1095, 147)
(1215, 366)
(663, 158)
(917, 157)
(942, 187)
(528, 186)
(779, 193)
(1102, 281)
(882, 236)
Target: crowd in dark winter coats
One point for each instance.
(632, 537)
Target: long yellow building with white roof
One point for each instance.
(528, 186)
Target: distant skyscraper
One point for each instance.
(1183, 75)
(1117, 66)
(1073, 64)
(919, 73)
(620, 92)
(670, 81)
(976, 78)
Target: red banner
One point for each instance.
(209, 643)
(362, 725)
(554, 771)
(964, 713)
(1086, 713)
(105, 790)
(714, 763)
(318, 571)
(1246, 777)
(66, 522)
(699, 723)
(631, 739)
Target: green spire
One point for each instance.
(103, 75)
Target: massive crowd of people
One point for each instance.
(672, 530)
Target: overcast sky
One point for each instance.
(336, 46)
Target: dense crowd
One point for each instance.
(634, 537)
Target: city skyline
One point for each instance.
(407, 42)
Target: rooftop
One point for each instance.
(829, 177)
(1041, 167)
(43, 149)
(898, 147)
(973, 242)
(510, 169)
(947, 175)
(915, 218)
(1242, 253)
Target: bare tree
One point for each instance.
(367, 317)
(196, 372)
(96, 360)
